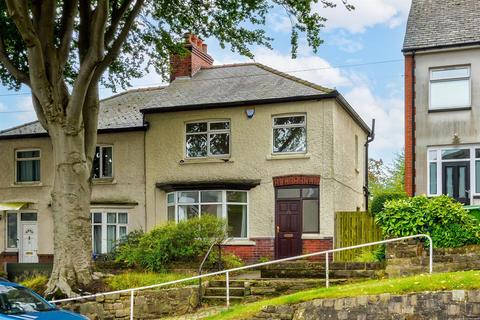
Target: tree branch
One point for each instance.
(19, 75)
(69, 12)
(39, 111)
(93, 56)
(117, 14)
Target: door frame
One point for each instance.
(20, 244)
(457, 164)
(277, 223)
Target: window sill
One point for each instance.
(239, 242)
(449, 109)
(104, 181)
(288, 156)
(26, 184)
(312, 236)
(205, 160)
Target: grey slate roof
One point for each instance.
(442, 23)
(233, 83)
(120, 111)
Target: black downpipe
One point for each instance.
(366, 190)
(413, 123)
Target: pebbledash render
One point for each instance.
(274, 155)
(442, 99)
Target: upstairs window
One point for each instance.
(207, 139)
(290, 134)
(450, 88)
(27, 166)
(103, 163)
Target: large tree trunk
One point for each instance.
(71, 213)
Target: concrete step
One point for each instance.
(222, 291)
(223, 283)
(217, 300)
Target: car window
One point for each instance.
(20, 300)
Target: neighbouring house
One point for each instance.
(274, 155)
(442, 99)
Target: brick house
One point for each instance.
(272, 154)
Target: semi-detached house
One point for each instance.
(274, 155)
(442, 99)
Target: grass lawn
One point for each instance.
(140, 279)
(435, 282)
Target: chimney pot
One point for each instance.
(204, 48)
(196, 59)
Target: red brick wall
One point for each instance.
(264, 248)
(409, 127)
(197, 58)
(296, 180)
(8, 257)
(45, 258)
(316, 245)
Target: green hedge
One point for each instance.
(379, 200)
(444, 219)
(185, 241)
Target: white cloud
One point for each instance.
(25, 105)
(343, 42)
(367, 13)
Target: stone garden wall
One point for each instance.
(149, 304)
(457, 304)
(410, 257)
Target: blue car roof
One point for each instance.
(10, 284)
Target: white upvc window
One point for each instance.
(437, 156)
(103, 162)
(207, 139)
(27, 166)
(290, 133)
(450, 88)
(108, 228)
(231, 205)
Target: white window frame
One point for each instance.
(209, 133)
(18, 214)
(439, 161)
(469, 78)
(39, 158)
(304, 125)
(223, 203)
(104, 224)
(102, 146)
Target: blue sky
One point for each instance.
(361, 58)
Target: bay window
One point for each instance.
(108, 228)
(230, 205)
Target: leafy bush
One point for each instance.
(444, 219)
(376, 254)
(229, 261)
(182, 242)
(37, 283)
(476, 214)
(379, 200)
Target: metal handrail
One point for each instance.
(203, 262)
(227, 272)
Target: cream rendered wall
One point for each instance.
(251, 158)
(128, 185)
(348, 178)
(436, 129)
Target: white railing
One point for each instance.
(227, 272)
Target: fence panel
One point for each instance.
(354, 228)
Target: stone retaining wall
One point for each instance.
(457, 304)
(410, 257)
(149, 304)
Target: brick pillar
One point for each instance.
(409, 125)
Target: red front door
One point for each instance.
(288, 218)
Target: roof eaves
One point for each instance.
(218, 105)
(18, 127)
(439, 47)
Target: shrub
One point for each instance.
(140, 279)
(182, 242)
(376, 254)
(379, 200)
(444, 219)
(476, 214)
(36, 283)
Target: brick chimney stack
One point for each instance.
(196, 59)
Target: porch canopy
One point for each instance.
(5, 206)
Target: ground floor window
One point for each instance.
(308, 195)
(108, 227)
(454, 171)
(227, 204)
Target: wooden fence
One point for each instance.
(353, 228)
